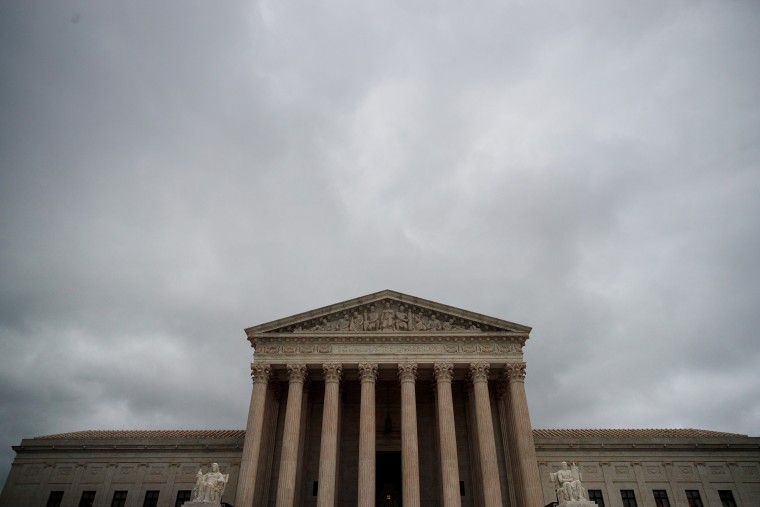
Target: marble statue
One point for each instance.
(567, 482)
(344, 323)
(209, 487)
(357, 322)
(402, 320)
(387, 318)
(373, 320)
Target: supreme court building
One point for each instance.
(407, 398)
(387, 400)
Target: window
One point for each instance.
(119, 499)
(88, 498)
(461, 488)
(151, 499)
(661, 498)
(726, 498)
(55, 499)
(596, 496)
(315, 488)
(182, 497)
(692, 495)
(629, 499)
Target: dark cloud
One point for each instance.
(171, 174)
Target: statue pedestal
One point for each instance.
(205, 504)
(577, 503)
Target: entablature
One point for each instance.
(392, 349)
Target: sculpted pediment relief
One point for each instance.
(389, 315)
(388, 312)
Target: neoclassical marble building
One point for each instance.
(378, 370)
(387, 400)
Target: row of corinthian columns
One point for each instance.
(514, 418)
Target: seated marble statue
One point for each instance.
(209, 487)
(568, 483)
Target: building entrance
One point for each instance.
(388, 479)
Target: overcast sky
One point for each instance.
(173, 172)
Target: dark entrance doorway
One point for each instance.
(388, 479)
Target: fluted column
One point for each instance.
(368, 373)
(328, 451)
(506, 441)
(286, 483)
(447, 435)
(476, 489)
(410, 463)
(529, 489)
(249, 464)
(489, 466)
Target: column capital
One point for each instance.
(368, 372)
(443, 371)
(261, 373)
(479, 372)
(333, 372)
(297, 373)
(515, 372)
(407, 372)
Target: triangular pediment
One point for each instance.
(387, 311)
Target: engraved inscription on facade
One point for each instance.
(393, 348)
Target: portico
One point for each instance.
(337, 390)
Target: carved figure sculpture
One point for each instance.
(387, 318)
(343, 323)
(357, 322)
(373, 320)
(434, 323)
(419, 322)
(322, 325)
(402, 320)
(209, 487)
(568, 483)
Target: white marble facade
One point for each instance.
(372, 340)
(385, 397)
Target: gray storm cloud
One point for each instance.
(173, 173)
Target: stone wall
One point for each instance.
(107, 465)
(648, 462)
(610, 460)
